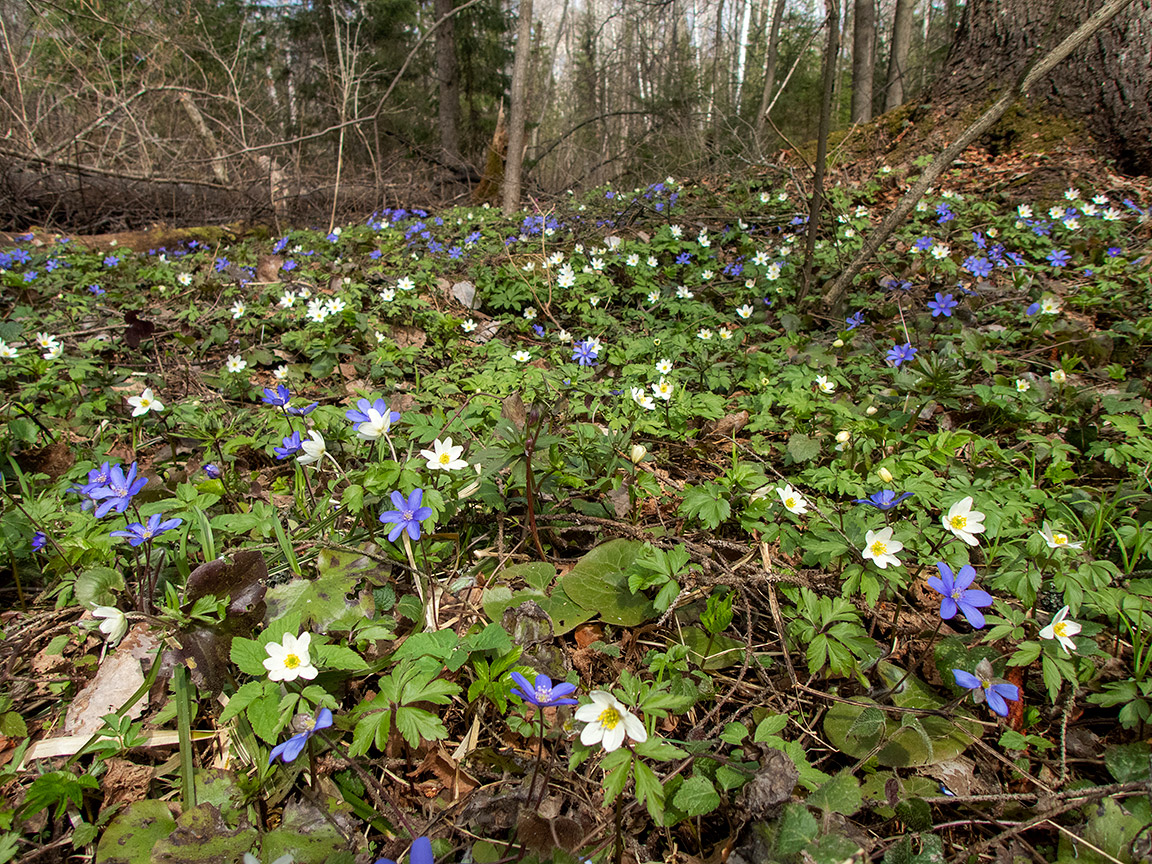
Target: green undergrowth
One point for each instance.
(312, 515)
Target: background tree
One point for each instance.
(863, 59)
(898, 54)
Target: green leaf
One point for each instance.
(696, 797)
(415, 724)
(708, 503)
(840, 795)
(97, 586)
(339, 657)
(770, 725)
(264, 715)
(617, 767)
(135, 831)
(241, 700)
(248, 655)
(597, 582)
(650, 790)
(802, 448)
(202, 834)
(537, 575)
(797, 829)
(1129, 763)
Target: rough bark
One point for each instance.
(863, 59)
(517, 110)
(449, 83)
(831, 54)
(1107, 82)
(898, 55)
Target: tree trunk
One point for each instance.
(831, 55)
(898, 56)
(863, 60)
(1106, 83)
(742, 53)
(449, 83)
(771, 55)
(518, 110)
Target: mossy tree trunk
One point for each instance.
(1107, 82)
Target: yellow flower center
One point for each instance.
(1060, 628)
(958, 522)
(291, 661)
(445, 458)
(609, 718)
(1060, 539)
(789, 502)
(879, 549)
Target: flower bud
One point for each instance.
(843, 435)
(639, 451)
(885, 474)
(839, 343)
(870, 410)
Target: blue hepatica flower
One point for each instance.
(421, 853)
(292, 446)
(901, 354)
(543, 694)
(38, 540)
(363, 406)
(111, 261)
(302, 412)
(294, 746)
(979, 267)
(942, 305)
(958, 595)
(997, 695)
(855, 320)
(585, 353)
(1114, 251)
(212, 471)
(1058, 257)
(895, 284)
(118, 492)
(923, 244)
(278, 397)
(1032, 310)
(407, 516)
(95, 289)
(885, 499)
(683, 257)
(137, 533)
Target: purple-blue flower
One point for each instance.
(38, 540)
(943, 305)
(95, 289)
(407, 516)
(885, 499)
(1032, 310)
(137, 533)
(291, 447)
(1114, 251)
(1058, 257)
(923, 244)
(211, 471)
(997, 695)
(855, 320)
(543, 694)
(901, 354)
(117, 493)
(421, 853)
(294, 746)
(958, 595)
(302, 412)
(585, 353)
(288, 266)
(979, 267)
(363, 406)
(278, 397)
(111, 261)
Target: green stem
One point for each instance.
(183, 692)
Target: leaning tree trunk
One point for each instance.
(1107, 83)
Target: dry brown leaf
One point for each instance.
(125, 782)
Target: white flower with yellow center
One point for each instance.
(406, 284)
(963, 521)
(288, 659)
(46, 341)
(881, 549)
(468, 326)
(663, 366)
(643, 399)
(653, 296)
(609, 722)
(529, 314)
(521, 356)
(1057, 539)
(683, 293)
(773, 271)
(53, 352)
(1062, 631)
(724, 333)
(184, 279)
(444, 456)
(824, 385)
(704, 333)
(236, 363)
(280, 372)
(144, 403)
(1022, 385)
(663, 390)
(1049, 306)
(1058, 376)
(238, 309)
(792, 500)
(8, 352)
(744, 311)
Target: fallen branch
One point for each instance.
(986, 121)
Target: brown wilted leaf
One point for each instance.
(125, 782)
(405, 336)
(268, 268)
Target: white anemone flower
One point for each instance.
(1062, 631)
(144, 403)
(881, 548)
(114, 625)
(609, 722)
(1057, 539)
(314, 449)
(375, 426)
(824, 384)
(444, 456)
(236, 363)
(288, 659)
(963, 521)
(792, 500)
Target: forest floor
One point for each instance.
(576, 537)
